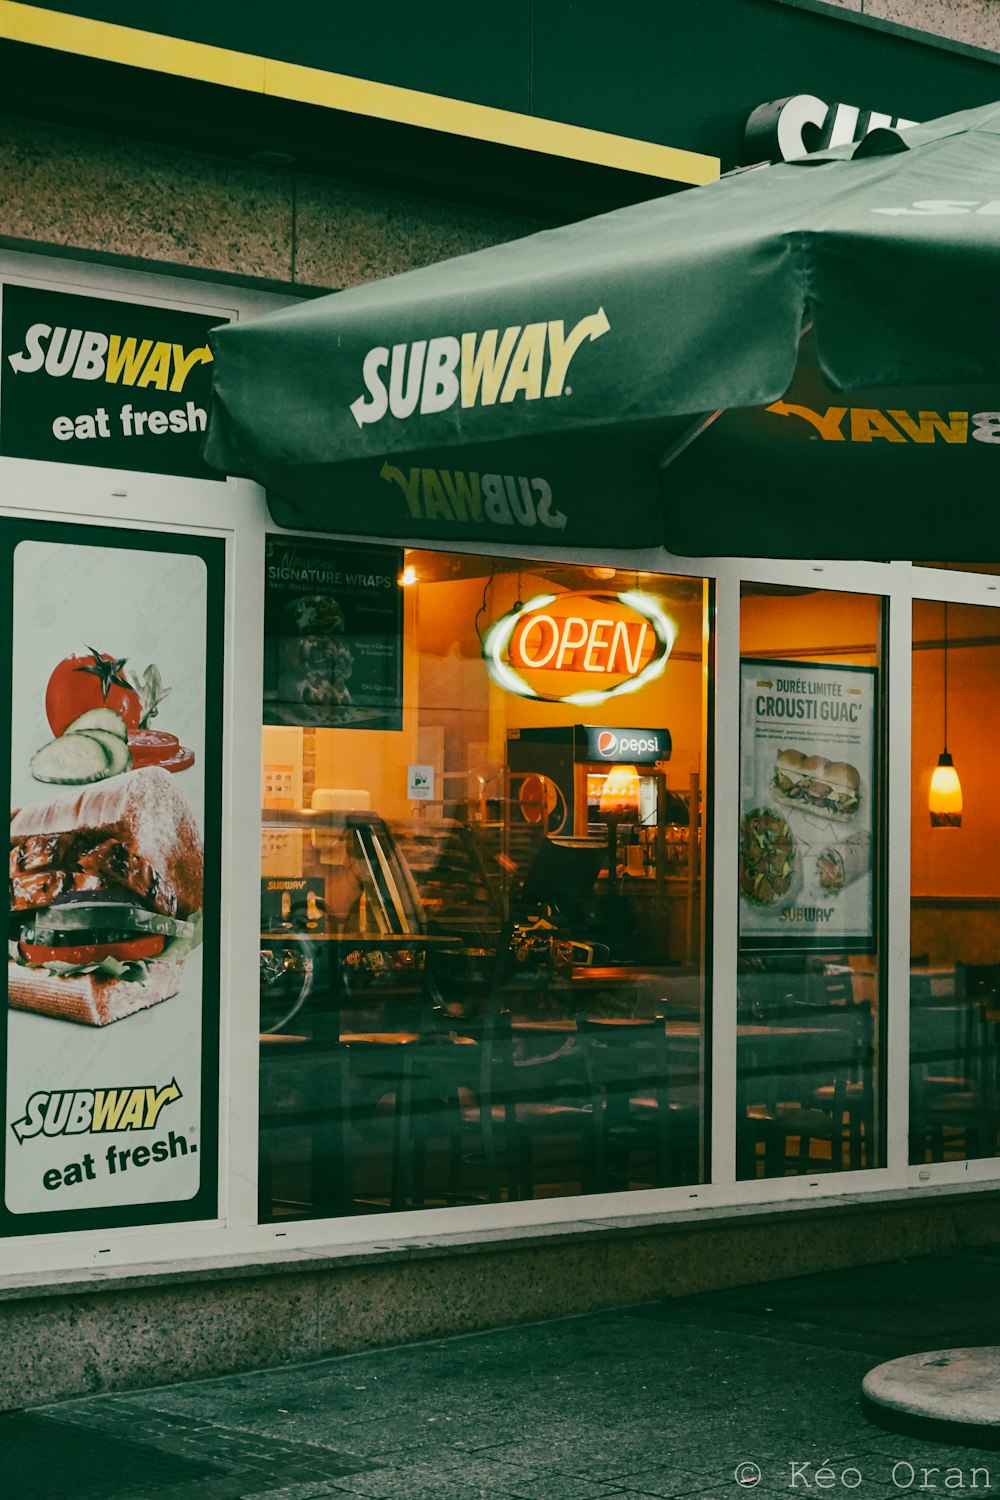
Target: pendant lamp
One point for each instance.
(945, 799)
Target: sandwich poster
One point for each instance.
(93, 380)
(333, 635)
(808, 736)
(110, 1036)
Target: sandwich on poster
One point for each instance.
(106, 890)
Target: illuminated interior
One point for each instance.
(810, 1055)
(955, 887)
(483, 918)
(525, 845)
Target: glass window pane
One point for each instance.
(809, 975)
(955, 884)
(482, 933)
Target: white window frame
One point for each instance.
(236, 510)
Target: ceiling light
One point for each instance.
(944, 800)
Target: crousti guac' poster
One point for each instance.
(333, 635)
(808, 735)
(109, 1043)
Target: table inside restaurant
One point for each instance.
(614, 990)
(928, 982)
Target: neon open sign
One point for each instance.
(581, 647)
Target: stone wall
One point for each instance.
(86, 1332)
(161, 208)
(157, 207)
(975, 22)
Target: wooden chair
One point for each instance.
(637, 1110)
(504, 1107)
(555, 1128)
(474, 1086)
(954, 1102)
(388, 1079)
(837, 990)
(842, 1092)
(859, 1091)
(792, 1087)
(305, 1106)
(980, 983)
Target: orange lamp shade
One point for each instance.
(945, 798)
(620, 793)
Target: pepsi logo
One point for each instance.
(628, 742)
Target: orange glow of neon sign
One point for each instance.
(581, 647)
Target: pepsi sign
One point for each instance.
(640, 747)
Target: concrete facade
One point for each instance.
(974, 22)
(160, 208)
(155, 208)
(76, 192)
(92, 1332)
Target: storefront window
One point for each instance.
(808, 1096)
(955, 904)
(482, 910)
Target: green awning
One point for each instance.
(614, 382)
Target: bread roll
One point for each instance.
(91, 999)
(146, 811)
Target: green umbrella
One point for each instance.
(798, 360)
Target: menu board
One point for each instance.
(113, 746)
(808, 736)
(333, 635)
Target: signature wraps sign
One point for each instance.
(96, 381)
(333, 635)
(581, 647)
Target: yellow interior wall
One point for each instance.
(956, 861)
(945, 863)
(674, 701)
(822, 626)
(446, 689)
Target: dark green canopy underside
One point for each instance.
(610, 345)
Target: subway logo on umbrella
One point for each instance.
(430, 375)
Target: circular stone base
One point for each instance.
(950, 1394)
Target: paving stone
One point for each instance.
(662, 1401)
(307, 1491)
(662, 1480)
(410, 1482)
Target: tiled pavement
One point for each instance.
(663, 1400)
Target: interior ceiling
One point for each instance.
(441, 567)
(968, 624)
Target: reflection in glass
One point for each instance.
(482, 972)
(807, 1096)
(955, 895)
